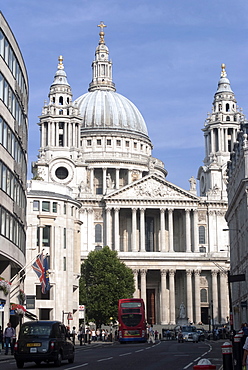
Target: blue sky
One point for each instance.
(166, 59)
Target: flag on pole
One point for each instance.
(40, 267)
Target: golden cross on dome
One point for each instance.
(60, 65)
(223, 72)
(101, 25)
(101, 33)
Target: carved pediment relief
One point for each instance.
(152, 188)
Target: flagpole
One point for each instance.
(28, 264)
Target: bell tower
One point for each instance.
(220, 132)
(59, 123)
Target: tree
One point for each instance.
(104, 280)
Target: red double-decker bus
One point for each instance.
(132, 323)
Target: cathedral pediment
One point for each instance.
(152, 187)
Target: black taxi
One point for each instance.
(43, 341)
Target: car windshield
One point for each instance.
(35, 330)
(190, 329)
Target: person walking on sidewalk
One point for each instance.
(151, 334)
(8, 336)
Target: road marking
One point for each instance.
(105, 359)
(125, 354)
(186, 367)
(75, 367)
(139, 350)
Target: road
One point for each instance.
(161, 355)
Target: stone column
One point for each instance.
(214, 297)
(90, 226)
(117, 234)
(49, 131)
(196, 233)
(73, 134)
(143, 286)
(129, 177)
(189, 296)
(164, 319)
(212, 149)
(171, 246)
(162, 231)
(197, 297)
(92, 180)
(134, 230)
(57, 133)
(223, 296)
(187, 227)
(66, 144)
(108, 227)
(142, 230)
(135, 277)
(172, 297)
(117, 178)
(104, 176)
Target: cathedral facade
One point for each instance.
(95, 162)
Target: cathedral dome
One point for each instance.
(108, 110)
(102, 108)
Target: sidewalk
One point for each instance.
(5, 357)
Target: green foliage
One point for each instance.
(104, 280)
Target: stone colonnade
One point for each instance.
(166, 226)
(216, 297)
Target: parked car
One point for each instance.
(46, 341)
(190, 333)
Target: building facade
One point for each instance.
(173, 239)
(237, 218)
(13, 170)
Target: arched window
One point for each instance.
(61, 111)
(220, 107)
(227, 107)
(204, 295)
(202, 236)
(228, 118)
(61, 100)
(98, 233)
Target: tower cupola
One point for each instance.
(102, 66)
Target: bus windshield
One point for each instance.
(131, 304)
(131, 320)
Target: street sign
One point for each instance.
(243, 304)
(235, 278)
(69, 316)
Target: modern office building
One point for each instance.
(99, 148)
(13, 170)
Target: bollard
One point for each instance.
(205, 364)
(238, 351)
(227, 356)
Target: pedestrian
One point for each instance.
(1, 339)
(245, 355)
(98, 334)
(103, 335)
(9, 336)
(93, 335)
(151, 334)
(73, 334)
